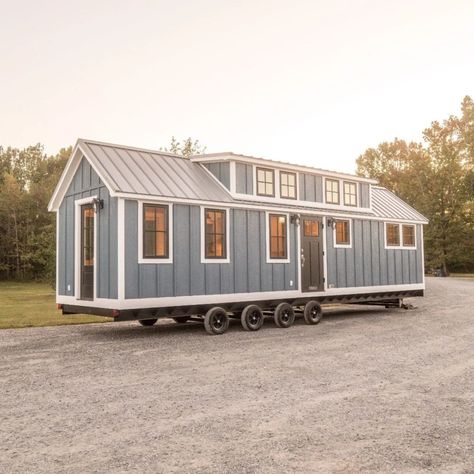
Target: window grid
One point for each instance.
(350, 194)
(332, 191)
(278, 237)
(265, 182)
(311, 228)
(408, 233)
(155, 231)
(215, 233)
(287, 185)
(343, 232)
(393, 235)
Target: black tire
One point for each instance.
(216, 321)
(284, 315)
(313, 313)
(252, 318)
(147, 322)
(181, 319)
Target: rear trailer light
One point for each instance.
(115, 313)
(59, 306)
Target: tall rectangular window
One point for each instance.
(350, 194)
(332, 191)
(392, 232)
(155, 231)
(287, 185)
(215, 233)
(265, 182)
(408, 233)
(278, 236)
(343, 232)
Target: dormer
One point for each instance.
(267, 181)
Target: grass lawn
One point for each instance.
(33, 304)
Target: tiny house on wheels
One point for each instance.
(144, 234)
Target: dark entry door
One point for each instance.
(87, 252)
(312, 273)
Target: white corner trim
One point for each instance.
(228, 233)
(351, 237)
(325, 252)
(77, 247)
(121, 249)
(159, 261)
(400, 233)
(267, 238)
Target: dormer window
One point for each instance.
(350, 193)
(265, 182)
(332, 191)
(287, 185)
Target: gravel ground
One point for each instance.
(367, 390)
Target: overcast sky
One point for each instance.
(311, 82)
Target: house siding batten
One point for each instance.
(247, 270)
(86, 183)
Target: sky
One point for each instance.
(308, 82)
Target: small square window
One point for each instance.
(350, 194)
(332, 191)
(392, 232)
(287, 185)
(408, 233)
(310, 228)
(265, 182)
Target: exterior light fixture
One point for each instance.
(295, 219)
(98, 204)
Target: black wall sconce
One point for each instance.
(98, 204)
(331, 222)
(295, 219)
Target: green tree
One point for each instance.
(186, 147)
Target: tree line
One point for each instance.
(435, 176)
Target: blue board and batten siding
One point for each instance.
(368, 262)
(221, 171)
(86, 183)
(247, 270)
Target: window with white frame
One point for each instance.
(400, 236)
(215, 234)
(408, 235)
(287, 185)
(332, 191)
(350, 193)
(342, 233)
(392, 235)
(265, 182)
(278, 242)
(155, 231)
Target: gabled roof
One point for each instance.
(131, 170)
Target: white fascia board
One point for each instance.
(174, 301)
(259, 206)
(68, 174)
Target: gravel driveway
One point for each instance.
(368, 389)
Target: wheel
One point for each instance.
(181, 319)
(252, 318)
(216, 321)
(313, 312)
(284, 315)
(147, 322)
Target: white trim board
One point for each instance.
(173, 301)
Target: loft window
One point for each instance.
(215, 233)
(265, 182)
(278, 236)
(408, 234)
(155, 232)
(343, 232)
(392, 232)
(332, 191)
(350, 194)
(287, 185)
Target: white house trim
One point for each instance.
(173, 301)
(267, 238)
(120, 249)
(203, 236)
(400, 233)
(157, 261)
(351, 237)
(325, 253)
(77, 246)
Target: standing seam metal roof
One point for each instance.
(136, 171)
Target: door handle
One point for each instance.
(303, 259)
